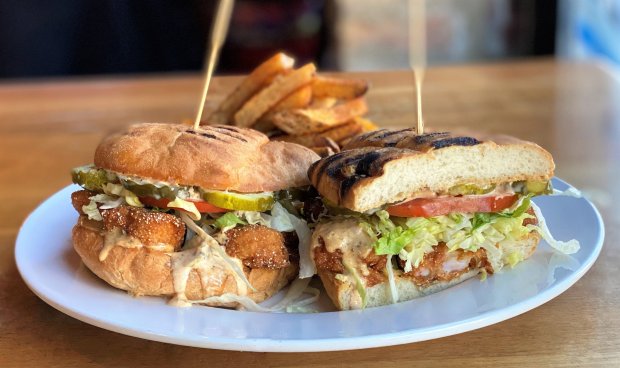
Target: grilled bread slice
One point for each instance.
(211, 157)
(389, 166)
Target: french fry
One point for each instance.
(336, 134)
(342, 89)
(259, 77)
(298, 99)
(323, 103)
(303, 121)
(281, 87)
(324, 146)
(365, 124)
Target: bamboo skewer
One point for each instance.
(217, 37)
(417, 52)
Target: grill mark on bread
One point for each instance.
(202, 134)
(230, 133)
(216, 133)
(455, 141)
(348, 168)
(408, 139)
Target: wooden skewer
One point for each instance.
(417, 52)
(218, 35)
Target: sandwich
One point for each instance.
(407, 215)
(207, 215)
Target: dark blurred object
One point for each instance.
(67, 37)
(258, 29)
(532, 28)
(73, 37)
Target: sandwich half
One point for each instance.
(207, 215)
(407, 215)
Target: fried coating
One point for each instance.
(80, 199)
(150, 227)
(330, 261)
(258, 247)
(441, 265)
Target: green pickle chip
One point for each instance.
(258, 202)
(470, 189)
(89, 177)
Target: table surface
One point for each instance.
(571, 109)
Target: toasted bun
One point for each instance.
(386, 166)
(142, 271)
(344, 294)
(211, 157)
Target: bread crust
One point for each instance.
(211, 157)
(386, 166)
(344, 294)
(143, 271)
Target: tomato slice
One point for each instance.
(202, 206)
(430, 207)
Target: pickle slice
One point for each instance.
(470, 189)
(538, 187)
(258, 202)
(150, 190)
(89, 177)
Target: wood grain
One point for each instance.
(48, 127)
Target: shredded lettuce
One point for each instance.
(291, 303)
(254, 218)
(282, 220)
(391, 280)
(212, 244)
(228, 221)
(359, 284)
(187, 206)
(570, 247)
(92, 211)
(103, 201)
(119, 190)
(412, 238)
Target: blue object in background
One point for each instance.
(589, 29)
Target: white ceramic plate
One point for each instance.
(52, 269)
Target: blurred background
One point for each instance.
(90, 37)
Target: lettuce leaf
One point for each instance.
(412, 238)
(228, 221)
(186, 206)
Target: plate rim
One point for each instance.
(481, 320)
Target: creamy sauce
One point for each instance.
(116, 237)
(143, 181)
(499, 190)
(209, 260)
(354, 243)
(346, 236)
(211, 267)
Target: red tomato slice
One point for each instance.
(430, 207)
(202, 206)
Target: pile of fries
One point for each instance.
(297, 105)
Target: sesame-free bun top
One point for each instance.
(211, 157)
(389, 166)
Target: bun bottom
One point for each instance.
(142, 271)
(344, 294)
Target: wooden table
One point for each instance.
(573, 110)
